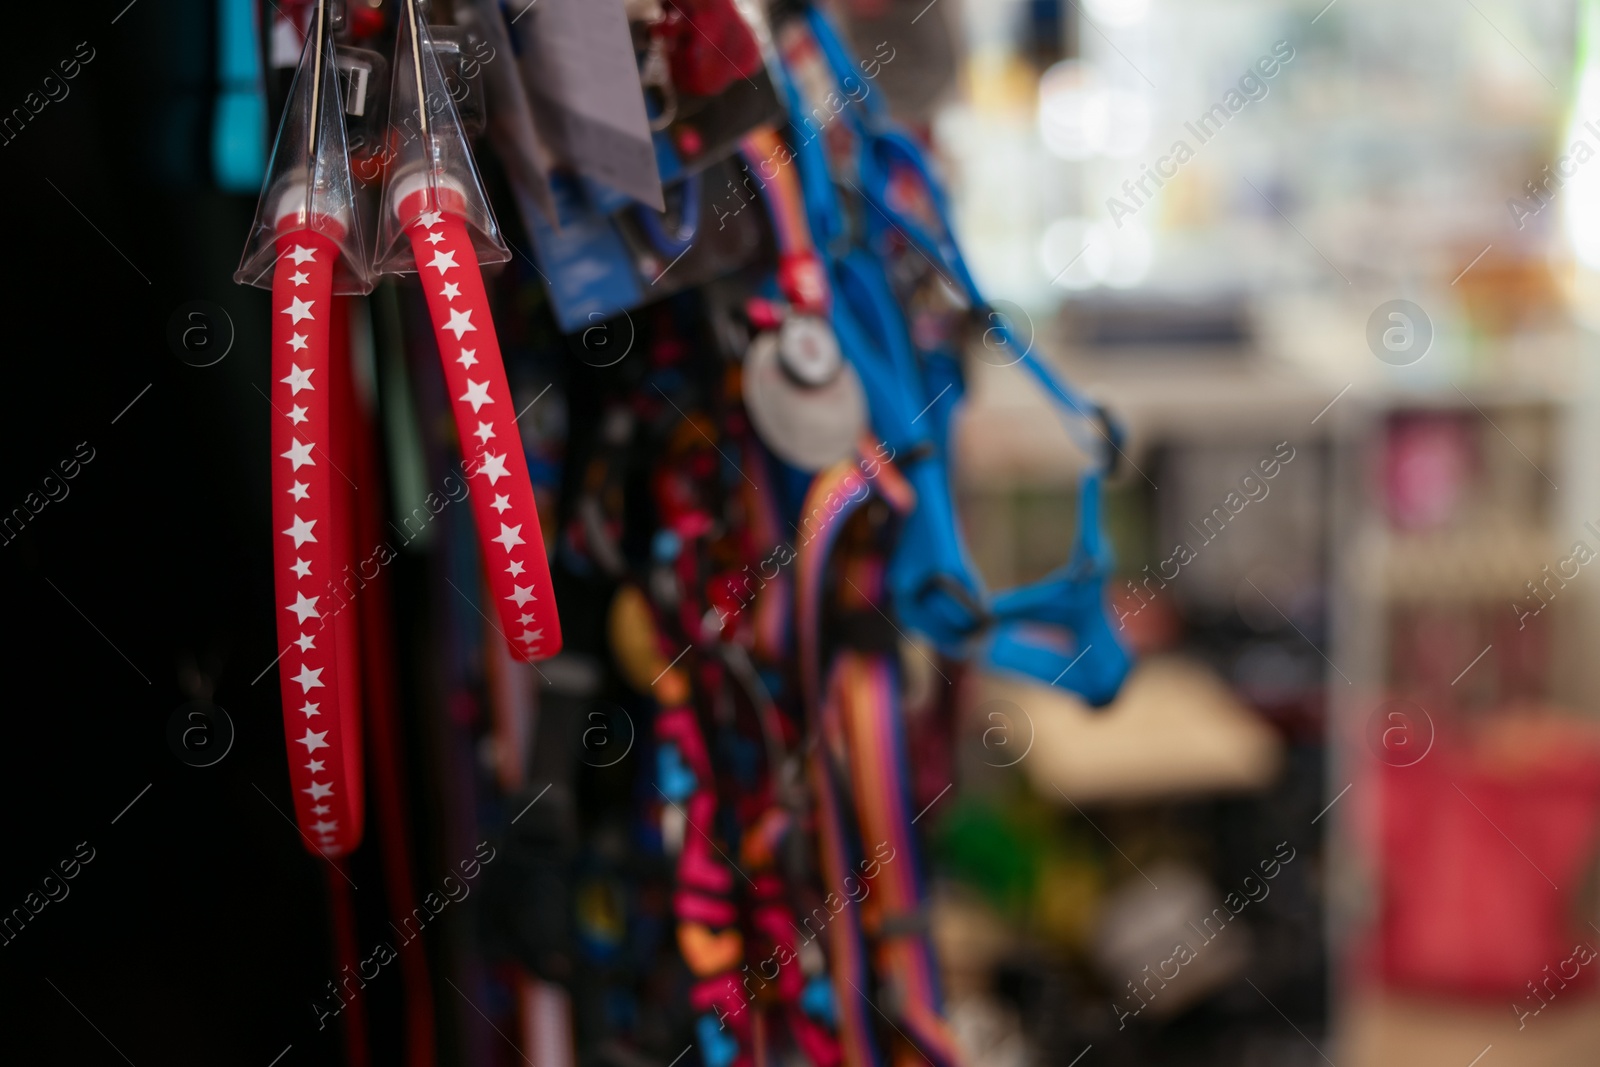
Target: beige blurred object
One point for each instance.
(1393, 1031)
(1488, 561)
(989, 1032)
(1175, 729)
(970, 939)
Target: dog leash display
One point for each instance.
(436, 221)
(321, 712)
(503, 506)
(305, 246)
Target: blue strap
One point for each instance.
(882, 147)
(682, 238)
(1054, 630)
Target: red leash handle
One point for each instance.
(319, 718)
(502, 493)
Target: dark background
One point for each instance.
(197, 934)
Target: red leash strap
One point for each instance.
(486, 422)
(382, 726)
(347, 958)
(321, 721)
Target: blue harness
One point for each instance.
(1055, 630)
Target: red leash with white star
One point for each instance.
(486, 422)
(320, 708)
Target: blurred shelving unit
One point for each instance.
(1427, 612)
(1378, 165)
(1528, 412)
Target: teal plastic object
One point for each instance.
(239, 124)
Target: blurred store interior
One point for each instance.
(1384, 660)
(1335, 268)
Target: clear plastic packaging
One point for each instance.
(430, 166)
(308, 184)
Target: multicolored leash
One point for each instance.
(861, 758)
(756, 983)
(865, 699)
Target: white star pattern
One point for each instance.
(299, 309)
(298, 379)
(525, 618)
(502, 503)
(494, 466)
(522, 594)
(477, 395)
(303, 287)
(468, 357)
(435, 238)
(305, 607)
(451, 290)
(460, 323)
(299, 454)
(484, 432)
(510, 537)
(514, 568)
(443, 260)
(301, 531)
(430, 219)
(530, 636)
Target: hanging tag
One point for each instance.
(583, 81)
(511, 130)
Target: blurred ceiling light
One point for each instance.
(1118, 12)
(1127, 123)
(1074, 110)
(1080, 117)
(1581, 195)
(1078, 253)
(1069, 258)
(1130, 251)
